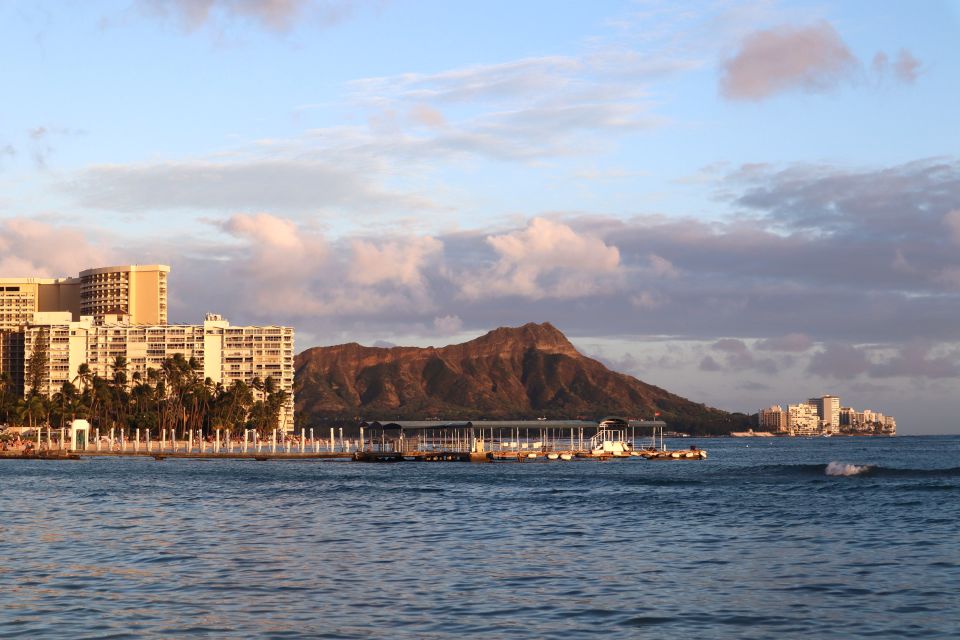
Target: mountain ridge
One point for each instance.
(510, 372)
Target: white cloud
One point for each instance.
(30, 247)
(547, 259)
(396, 262)
(286, 184)
(447, 325)
(290, 267)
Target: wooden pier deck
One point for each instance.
(236, 455)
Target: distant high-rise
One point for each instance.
(828, 410)
(802, 419)
(772, 419)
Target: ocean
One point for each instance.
(777, 537)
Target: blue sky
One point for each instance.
(746, 203)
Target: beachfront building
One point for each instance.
(848, 417)
(772, 419)
(138, 291)
(828, 410)
(223, 353)
(20, 298)
(803, 420)
(121, 311)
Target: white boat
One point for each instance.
(553, 456)
(566, 456)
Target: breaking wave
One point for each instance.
(846, 469)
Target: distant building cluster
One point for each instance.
(112, 312)
(824, 416)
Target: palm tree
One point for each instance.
(84, 377)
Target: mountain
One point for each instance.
(523, 372)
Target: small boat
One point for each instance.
(553, 456)
(531, 455)
(566, 456)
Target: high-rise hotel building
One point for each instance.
(122, 311)
(139, 291)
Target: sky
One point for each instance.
(746, 203)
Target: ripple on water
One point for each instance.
(758, 545)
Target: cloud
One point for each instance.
(662, 267)
(400, 263)
(447, 325)
(952, 221)
(810, 58)
(901, 202)
(736, 356)
(710, 364)
(791, 342)
(278, 184)
(427, 116)
(546, 259)
(907, 67)
(295, 272)
(811, 255)
(273, 15)
(521, 109)
(918, 359)
(31, 247)
(839, 361)
(915, 359)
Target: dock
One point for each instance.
(482, 441)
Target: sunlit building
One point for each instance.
(137, 291)
(121, 311)
(222, 353)
(828, 410)
(772, 419)
(803, 419)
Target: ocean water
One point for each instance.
(784, 538)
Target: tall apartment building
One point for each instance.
(137, 291)
(225, 353)
(20, 298)
(772, 419)
(848, 416)
(828, 410)
(122, 311)
(803, 420)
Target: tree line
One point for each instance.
(175, 396)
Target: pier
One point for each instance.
(402, 441)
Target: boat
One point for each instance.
(553, 456)
(566, 456)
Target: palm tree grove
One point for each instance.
(175, 398)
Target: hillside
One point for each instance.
(523, 372)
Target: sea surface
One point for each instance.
(768, 538)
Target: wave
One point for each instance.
(846, 469)
(840, 469)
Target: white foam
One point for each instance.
(845, 469)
